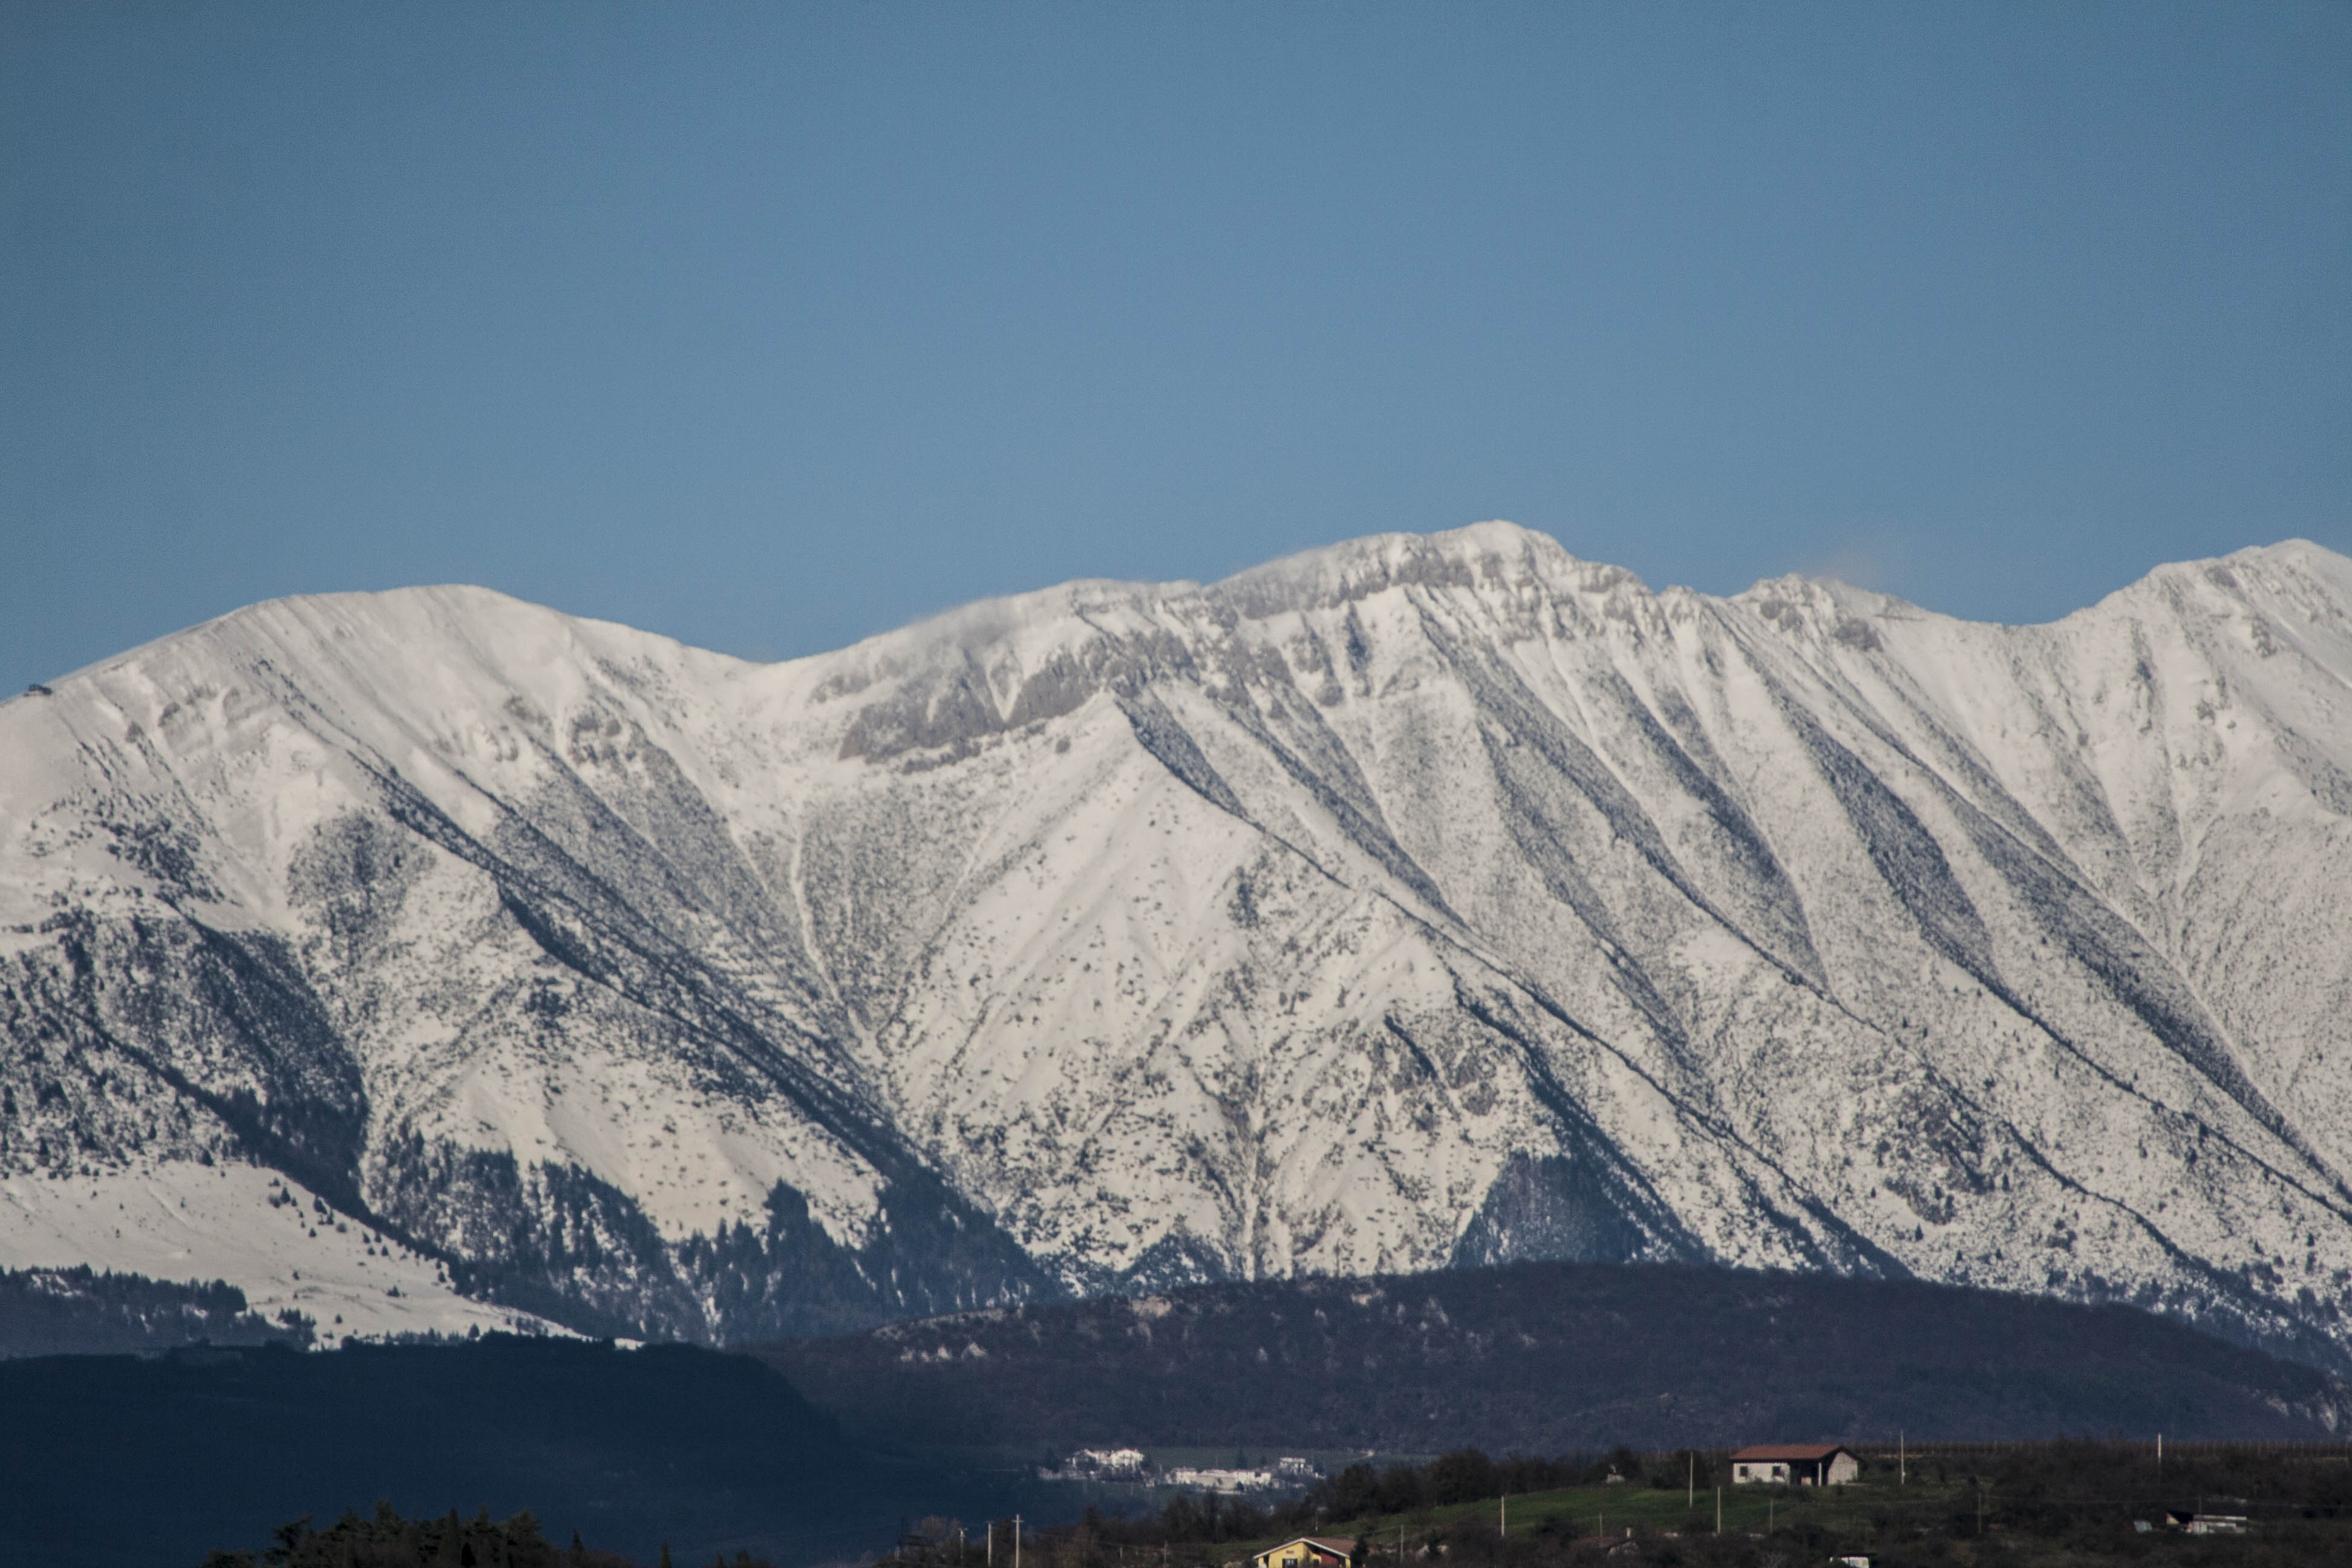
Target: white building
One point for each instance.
(1794, 1465)
(1100, 1465)
(1223, 1481)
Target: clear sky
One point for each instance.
(769, 326)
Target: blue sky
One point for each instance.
(772, 326)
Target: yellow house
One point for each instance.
(1307, 1552)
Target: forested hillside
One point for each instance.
(62, 1311)
(126, 1462)
(1551, 1358)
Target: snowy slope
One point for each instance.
(1413, 901)
(178, 1219)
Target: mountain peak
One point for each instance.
(1494, 554)
(1412, 902)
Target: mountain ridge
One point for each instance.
(1421, 901)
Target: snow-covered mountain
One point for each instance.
(1422, 900)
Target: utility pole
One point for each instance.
(1902, 1469)
(988, 1552)
(1506, 1514)
(1017, 1541)
(1690, 1481)
(1718, 1511)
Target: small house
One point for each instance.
(2206, 1523)
(1794, 1465)
(1308, 1552)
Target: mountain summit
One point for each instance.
(1418, 902)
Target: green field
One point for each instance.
(1610, 1509)
(2061, 1503)
(1924, 1520)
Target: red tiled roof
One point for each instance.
(1784, 1453)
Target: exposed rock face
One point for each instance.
(1416, 901)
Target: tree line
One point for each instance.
(386, 1540)
(82, 1311)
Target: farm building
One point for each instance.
(1307, 1552)
(1794, 1465)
